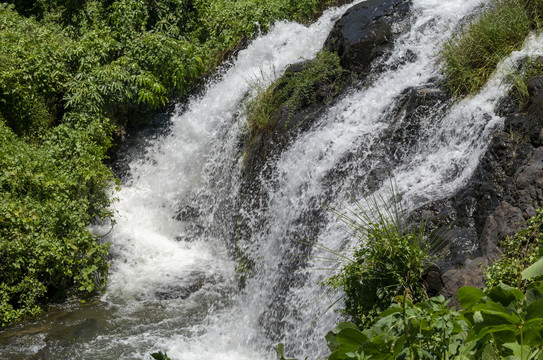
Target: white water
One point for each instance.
(172, 285)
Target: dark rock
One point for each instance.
(504, 190)
(366, 31)
(528, 184)
(504, 222)
(470, 274)
(432, 280)
(186, 286)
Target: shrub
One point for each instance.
(33, 73)
(390, 260)
(48, 196)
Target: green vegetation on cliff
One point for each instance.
(471, 57)
(312, 82)
(74, 74)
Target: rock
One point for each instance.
(366, 31)
(505, 189)
(432, 280)
(184, 288)
(504, 222)
(471, 274)
(529, 183)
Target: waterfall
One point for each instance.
(173, 284)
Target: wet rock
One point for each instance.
(529, 184)
(187, 286)
(366, 31)
(503, 192)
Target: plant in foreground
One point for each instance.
(505, 323)
(390, 259)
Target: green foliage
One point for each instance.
(48, 196)
(503, 324)
(73, 72)
(391, 260)
(317, 82)
(533, 271)
(427, 330)
(33, 72)
(472, 56)
(160, 356)
(519, 252)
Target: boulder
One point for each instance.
(471, 274)
(366, 31)
(504, 222)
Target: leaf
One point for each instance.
(519, 350)
(535, 310)
(469, 296)
(533, 270)
(345, 325)
(331, 341)
(160, 356)
(479, 333)
(351, 338)
(505, 294)
(497, 310)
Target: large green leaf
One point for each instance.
(469, 296)
(331, 337)
(521, 352)
(505, 294)
(351, 339)
(533, 333)
(535, 310)
(533, 270)
(497, 310)
(478, 333)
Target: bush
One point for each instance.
(390, 261)
(48, 196)
(33, 73)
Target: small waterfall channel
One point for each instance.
(173, 284)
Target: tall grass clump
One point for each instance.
(471, 57)
(390, 260)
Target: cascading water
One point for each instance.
(172, 284)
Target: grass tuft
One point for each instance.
(318, 81)
(471, 57)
